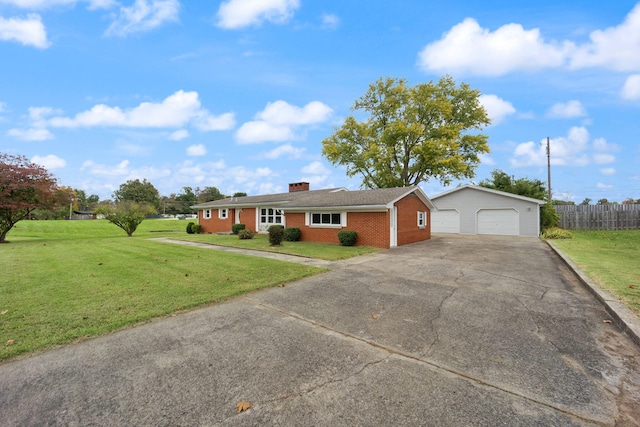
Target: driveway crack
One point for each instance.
(425, 361)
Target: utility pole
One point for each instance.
(548, 170)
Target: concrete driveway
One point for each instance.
(456, 331)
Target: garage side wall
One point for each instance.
(469, 201)
(408, 230)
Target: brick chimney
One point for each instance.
(298, 186)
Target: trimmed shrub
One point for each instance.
(556, 233)
(549, 218)
(276, 234)
(245, 234)
(190, 228)
(196, 229)
(347, 237)
(236, 228)
(291, 234)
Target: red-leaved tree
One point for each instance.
(24, 186)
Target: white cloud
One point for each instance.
(330, 21)
(614, 48)
(207, 122)
(468, 48)
(279, 120)
(567, 110)
(496, 107)
(179, 135)
(282, 113)
(44, 4)
(29, 31)
(602, 159)
(601, 144)
(196, 150)
(49, 162)
(631, 88)
(608, 171)
(315, 168)
(568, 151)
(235, 14)
(144, 15)
(175, 111)
(285, 150)
(256, 132)
(487, 160)
(36, 134)
(121, 169)
(602, 186)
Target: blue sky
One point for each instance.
(239, 94)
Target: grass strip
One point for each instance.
(610, 259)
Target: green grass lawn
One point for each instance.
(68, 280)
(326, 251)
(611, 258)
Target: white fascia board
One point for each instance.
(491, 190)
(421, 195)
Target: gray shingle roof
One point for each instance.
(318, 199)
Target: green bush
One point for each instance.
(236, 228)
(347, 237)
(190, 228)
(276, 234)
(291, 234)
(245, 234)
(556, 233)
(196, 229)
(549, 218)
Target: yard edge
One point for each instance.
(622, 316)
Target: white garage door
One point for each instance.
(446, 221)
(498, 221)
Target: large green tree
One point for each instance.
(139, 192)
(186, 199)
(24, 187)
(527, 187)
(410, 134)
(208, 194)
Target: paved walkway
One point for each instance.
(456, 331)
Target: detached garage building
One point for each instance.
(477, 210)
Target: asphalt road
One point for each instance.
(456, 331)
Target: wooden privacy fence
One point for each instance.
(598, 217)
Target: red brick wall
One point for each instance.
(215, 224)
(372, 228)
(408, 231)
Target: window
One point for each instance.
(223, 213)
(270, 216)
(326, 219)
(207, 214)
(422, 219)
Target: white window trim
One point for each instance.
(422, 220)
(308, 220)
(223, 213)
(206, 214)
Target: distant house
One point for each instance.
(84, 215)
(383, 218)
(471, 209)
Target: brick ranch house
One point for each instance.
(383, 218)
